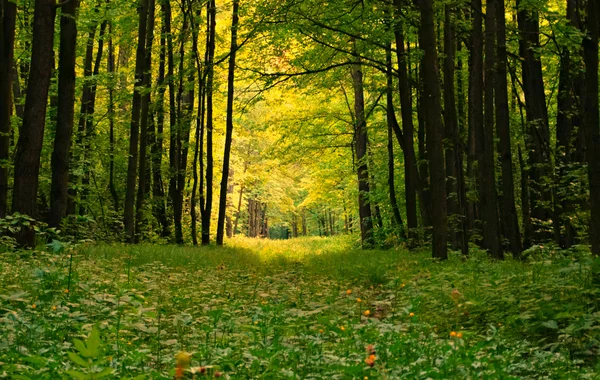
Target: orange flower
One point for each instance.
(66, 290)
(367, 313)
(218, 374)
(455, 295)
(342, 328)
(411, 315)
(370, 361)
(358, 300)
(453, 334)
(33, 306)
(53, 308)
(349, 291)
(370, 349)
(459, 335)
(179, 372)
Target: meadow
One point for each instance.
(305, 308)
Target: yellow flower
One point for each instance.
(411, 315)
(321, 331)
(349, 291)
(358, 300)
(366, 377)
(453, 334)
(367, 313)
(33, 306)
(256, 322)
(66, 290)
(342, 328)
(53, 308)
(183, 359)
(403, 285)
(129, 343)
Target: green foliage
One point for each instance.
(289, 309)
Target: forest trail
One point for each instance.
(300, 308)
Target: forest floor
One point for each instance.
(304, 308)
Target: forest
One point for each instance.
(299, 189)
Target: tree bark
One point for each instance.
(592, 120)
(8, 13)
(140, 61)
(111, 119)
(360, 132)
(29, 146)
(141, 194)
(65, 114)
(435, 130)
(511, 222)
(229, 124)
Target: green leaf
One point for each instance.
(105, 372)
(93, 342)
(78, 360)
(77, 374)
(551, 324)
(80, 346)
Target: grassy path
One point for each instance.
(307, 308)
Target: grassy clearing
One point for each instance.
(290, 309)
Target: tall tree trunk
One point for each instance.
(8, 12)
(140, 60)
(207, 195)
(568, 123)
(360, 132)
(147, 79)
(591, 120)
(435, 130)
(65, 114)
(229, 124)
(538, 132)
(111, 119)
(511, 222)
(486, 155)
(29, 146)
(454, 170)
(391, 122)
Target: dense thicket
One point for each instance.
(294, 105)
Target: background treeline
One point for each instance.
(452, 121)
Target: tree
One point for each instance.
(29, 145)
(65, 114)
(229, 124)
(140, 60)
(8, 12)
(592, 119)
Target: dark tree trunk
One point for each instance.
(475, 99)
(111, 119)
(229, 124)
(29, 146)
(207, 195)
(361, 140)
(435, 130)
(140, 60)
(568, 123)
(391, 121)
(8, 12)
(486, 157)
(65, 114)
(591, 120)
(538, 132)
(511, 222)
(141, 194)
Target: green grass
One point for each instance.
(280, 309)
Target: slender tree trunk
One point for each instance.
(391, 120)
(411, 175)
(140, 61)
(511, 222)
(486, 156)
(8, 12)
(208, 194)
(435, 131)
(65, 114)
(111, 120)
(538, 133)
(229, 124)
(360, 131)
(29, 146)
(592, 120)
(141, 194)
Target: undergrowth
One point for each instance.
(303, 308)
